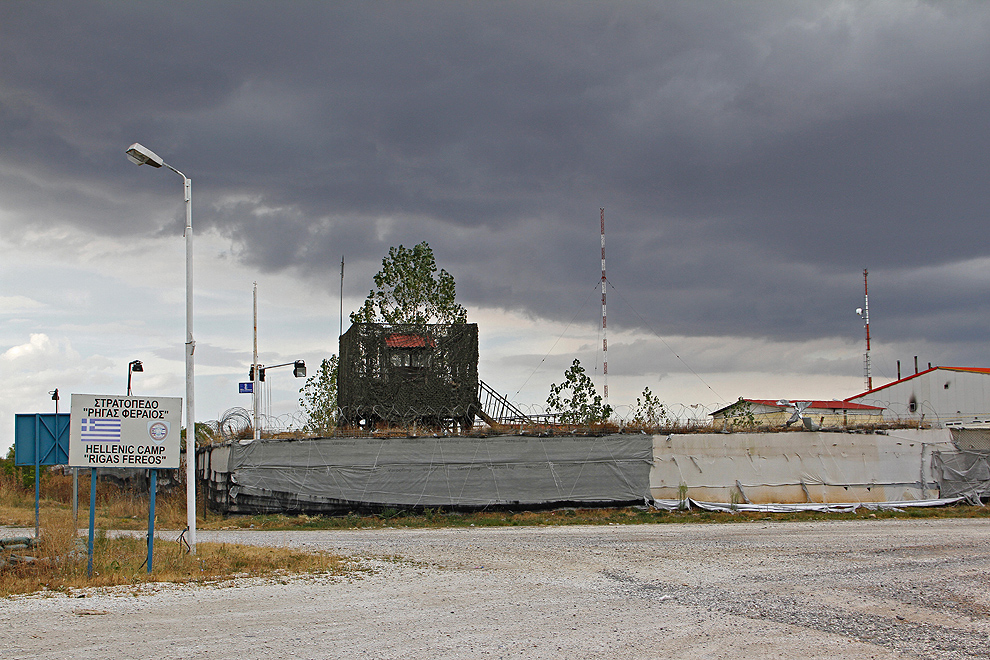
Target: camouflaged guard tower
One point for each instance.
(403, 374)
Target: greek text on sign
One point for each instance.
(124, 431)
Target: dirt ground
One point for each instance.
(852, 589)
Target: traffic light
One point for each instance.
(261, 373)
(299, 371)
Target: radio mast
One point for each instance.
(865, 315)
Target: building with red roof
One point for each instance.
(934, 396)
(781, 412)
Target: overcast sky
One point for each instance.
(752, 159)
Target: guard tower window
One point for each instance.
(411, 358)
(409, 350)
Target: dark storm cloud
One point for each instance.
(753, 157)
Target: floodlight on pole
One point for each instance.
(132, 367)
(141, 155)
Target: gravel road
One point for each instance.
(852, 589)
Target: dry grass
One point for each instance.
(116, 508)
(60, 561)
(637, 515)
(122, 509)
(128, 510)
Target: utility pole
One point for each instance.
(256, 371)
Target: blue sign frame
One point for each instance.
(46, 433)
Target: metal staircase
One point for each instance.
(496, 410)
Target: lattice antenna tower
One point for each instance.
(604, 323)
(864, 313)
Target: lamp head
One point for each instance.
(137, 366)
(141, 155)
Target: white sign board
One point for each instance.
(124, 431)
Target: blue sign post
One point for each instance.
(245, 388)
(40, 439)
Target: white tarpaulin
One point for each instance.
(838, 507)
(797, 467)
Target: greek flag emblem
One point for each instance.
(95, 429)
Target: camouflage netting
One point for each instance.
(402, 374)
(337, 475)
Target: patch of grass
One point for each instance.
(116, 508)
(436, 518)
(122, 509)
(60, 562)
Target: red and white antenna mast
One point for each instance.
(604, 324)
(865, 314)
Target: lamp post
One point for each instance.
(257, 375)
(141, 155)
(133, 366)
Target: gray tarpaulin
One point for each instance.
(447, 471)
(963, 474)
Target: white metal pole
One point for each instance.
(141, 155)
(256, 381)
(604, 324)
(190, 374)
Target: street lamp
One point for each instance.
(132, 366)
(141, 155)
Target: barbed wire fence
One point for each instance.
(236, 423)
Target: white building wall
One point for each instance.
(940, 395)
